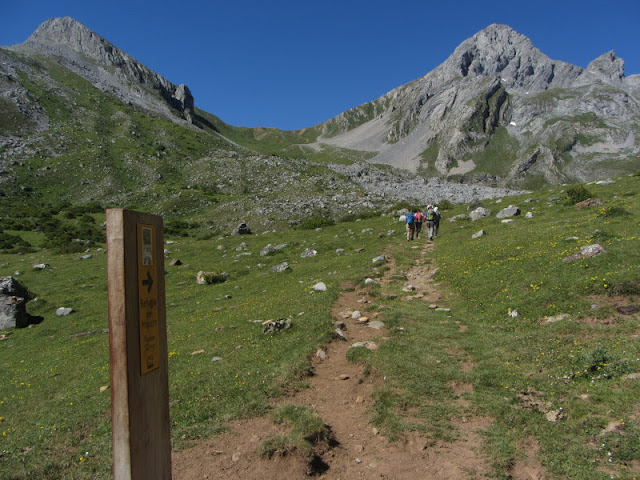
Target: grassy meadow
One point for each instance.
(55, 421)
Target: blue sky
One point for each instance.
(294, 64)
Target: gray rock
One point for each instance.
(242, 229)
(267, 250)
(282, 267)
(376, 324)
(510, 211)
(479, 234)
(479, 213)
(13, 299)
(64, 311)
(308, 253)
(339, 334)
(462, 216)
(381, 258)
(320, 287)
(587, 251)
(271, 326)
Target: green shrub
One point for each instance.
(599, 363)
(613, 212)
(179, 228)
(445, 205)
(577, 194)
(14, 244)
(317, 221)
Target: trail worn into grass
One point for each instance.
(342, 395)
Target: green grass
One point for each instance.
(578, 364)
(306, 430)
(50, 400)
(55, 422)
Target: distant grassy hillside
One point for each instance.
(55, 421)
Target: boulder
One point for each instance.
(479, 213)
(588, 203)
(13, 305)
(320, 287)
(242, 229)
(587, 251)
(208, 278)
(267, 250)
(510, 211)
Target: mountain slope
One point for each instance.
(498, 109)
(82, 122)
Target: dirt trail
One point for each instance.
(342, 395)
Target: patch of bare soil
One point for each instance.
(341, 393)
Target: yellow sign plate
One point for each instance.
(148, 299)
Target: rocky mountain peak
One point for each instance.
(107, 67)
(608, 67)
(66, 31)
(499, 50)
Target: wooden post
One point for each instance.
(138, 346)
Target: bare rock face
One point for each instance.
(497, 93)
(108, 68)
(608, 67)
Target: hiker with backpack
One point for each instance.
(419, 219)
(410, 220)
(436, 223)
(430, 220)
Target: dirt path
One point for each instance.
(341, 393)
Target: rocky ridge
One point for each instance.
(497, 97)
(89, 55)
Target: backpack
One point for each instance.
(431, 216)
(419, 217)
(410, 218)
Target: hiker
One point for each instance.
(430, 220)
(436, 222)
(419, 218)
(410, 219)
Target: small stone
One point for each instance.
(556, 318)
(339, 334)
(63, 311)
(377, 325)
(344, 376)
(104, 388)
(320, 287)
(321, 354)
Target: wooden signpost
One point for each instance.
(138, 346)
